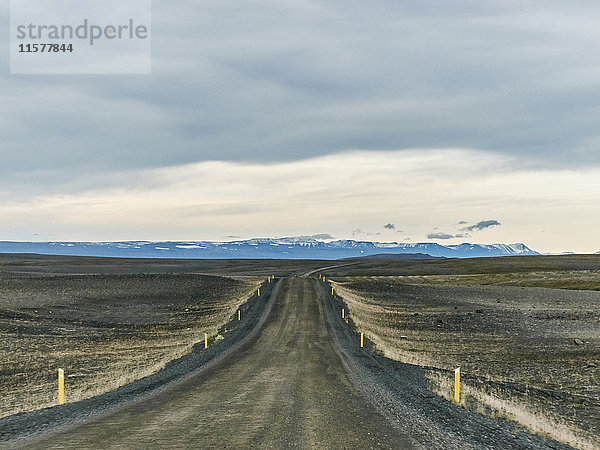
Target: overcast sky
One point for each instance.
(274, 118)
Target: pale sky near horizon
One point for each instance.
(283, 118)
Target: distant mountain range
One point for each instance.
(283, 248)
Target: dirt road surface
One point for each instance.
(288, 387)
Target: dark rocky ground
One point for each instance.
(298, 380)
(104, 330)
(527, 353)
(290, 374)
(31, 265)
(402, 393)
(17, 429)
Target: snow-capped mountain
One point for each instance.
(277, 248)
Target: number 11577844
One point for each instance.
(48, 48)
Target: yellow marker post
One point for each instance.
(239, 315)
(205, 340)
(343, 313)
(362, 339)
(324, 278)
(331, 290)
(61, 386)
(258, 292)
(457, 385)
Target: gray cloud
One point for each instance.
(440, 236)
(482, 225)
(390, 226)
(321, 236)
(357, 233)
(283, 82)
(465, 231)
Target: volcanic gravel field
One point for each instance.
(292, 374)
(528, 354)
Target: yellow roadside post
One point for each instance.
(343, 313)
(205, 340)
(239, 315)
(61, 386)
(362, 339)
(324, 278)
(258, 292)
(331, 290)
(457, 385)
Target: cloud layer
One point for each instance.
(337, 194)
(295, 118)
(270, 80)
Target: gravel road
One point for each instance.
(300, 381)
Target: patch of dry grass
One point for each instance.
(498, 402)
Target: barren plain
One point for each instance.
(527, 353)
(103, 329)
(291, 373)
